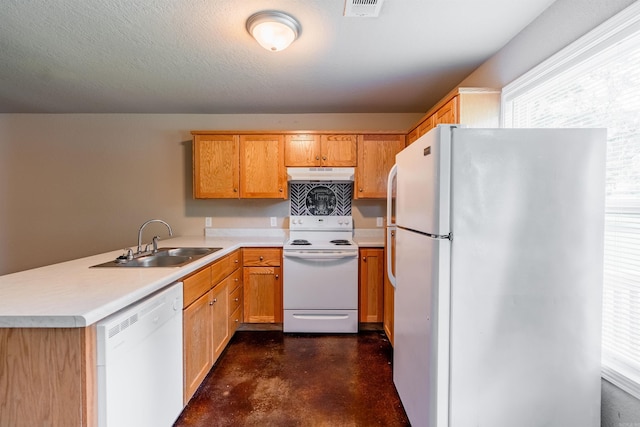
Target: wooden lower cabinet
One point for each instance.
(220, 317)
(198, 349)
(207, 326)
(389, 290)
(371, 301)
(48, 377)
(262, 285)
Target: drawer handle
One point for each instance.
(237, 320)
(277, 276)
(237, 299)
(317, 157)
(215, 300)
(236, 279)
(261, 258)
(235, 190)
(210, 302)
(324, 157)
(236, 261)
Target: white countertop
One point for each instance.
(70, 294)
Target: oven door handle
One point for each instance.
(320, 256)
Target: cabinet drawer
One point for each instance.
(235, 260)
(235, 280)
(235, 319)
(220, 269)
(196, 285)
(235, 299)
(261, 257)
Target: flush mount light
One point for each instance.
(274, 30)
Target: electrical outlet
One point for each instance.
(207, 221)
(379, 221)
(274, 222)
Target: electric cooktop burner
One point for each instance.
(300, 242)
(341, 242)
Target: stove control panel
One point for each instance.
(321, 223)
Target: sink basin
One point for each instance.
(165, 257)
(199, 252)
(158, 261)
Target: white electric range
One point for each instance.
(320, 275)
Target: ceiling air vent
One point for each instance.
(362, 8)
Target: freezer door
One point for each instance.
(423, 183)
(421, 349)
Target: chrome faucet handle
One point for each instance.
(155, 243)
(129, 252)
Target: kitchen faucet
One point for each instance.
(155, 239)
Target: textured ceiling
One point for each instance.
(195, 56)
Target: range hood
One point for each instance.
(320, 174)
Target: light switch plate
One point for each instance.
(379, 221)
(273, 221)
(207, 221)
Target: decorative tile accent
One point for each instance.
(313, 199)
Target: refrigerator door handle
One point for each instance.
(392, 175)
(390, 232)
(391, 226)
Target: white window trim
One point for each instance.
(606, 34)
(612, 31)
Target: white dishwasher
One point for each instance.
(140, 362)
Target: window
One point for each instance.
(595, 82)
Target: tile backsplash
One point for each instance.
(318, 198)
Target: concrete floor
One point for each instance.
(268, 378)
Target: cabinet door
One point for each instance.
(302, 150)
(216, 168)
(389, 290)
(371, 285)
(197, 332)
(376, 156)
(338, 150)
(448, 113)
(262, 173)
(219, 317)
(262, 295)
(426, 125)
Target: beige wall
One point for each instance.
(74, 185)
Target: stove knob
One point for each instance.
(300, 221)
(294, 221)
(340, 221)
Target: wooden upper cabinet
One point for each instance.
(338, 150)
(447, 114)
(262, 173)
(216, 168)
(474, 107)
(302, 150)
(306, 150)
(376, 156)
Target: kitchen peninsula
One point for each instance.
(48, 333)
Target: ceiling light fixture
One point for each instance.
(273, 30)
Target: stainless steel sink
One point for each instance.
(190, 252)
(165, 257)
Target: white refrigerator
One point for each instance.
(499, 257)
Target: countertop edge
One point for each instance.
(160, 278)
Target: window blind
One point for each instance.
(596, 83)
